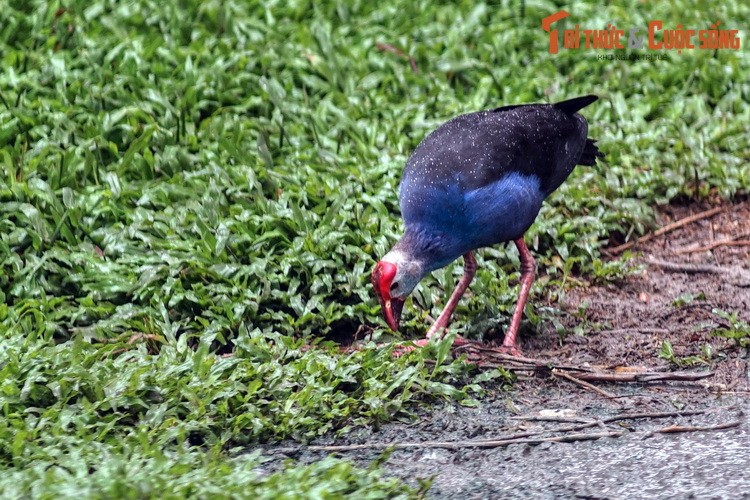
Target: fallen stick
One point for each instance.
(583, 383)
(544, 418)
(617, 331)
(615, 418)
(674, 429)
(387, 47)
(736, 276)
(455, 445)
(687, 268)
(658, 414)
(698, 428)
(664, 230)
(570, 428)
(715, 244)
(643, 376)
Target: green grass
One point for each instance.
(210, 177)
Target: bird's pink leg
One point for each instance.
(470, 269)
(528, 269)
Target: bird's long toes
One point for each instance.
(403, 349)
(511, 350)
(460, 345)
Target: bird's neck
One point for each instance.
(430, 248)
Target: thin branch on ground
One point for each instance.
(698, 428)
(674, 429)
(618, 331)
(716, 244)
(482, 443)
(735, 241)
(678, 267)
(387, 47)
(571, 428)
(658, 414)
(615, 418)
(644, 376)
(550, 418)
(664, 230)
(582, 383)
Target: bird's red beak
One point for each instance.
(382, 278)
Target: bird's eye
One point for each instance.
(394, 285)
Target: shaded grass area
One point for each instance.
(207, 177)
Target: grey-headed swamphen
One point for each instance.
(476, 181)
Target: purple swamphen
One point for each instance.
(479, 180)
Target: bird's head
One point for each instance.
(394, 278)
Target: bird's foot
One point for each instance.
(437, 327)
(510, 350)
(481, 353)
(402, 349)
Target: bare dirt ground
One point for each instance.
(672, 299)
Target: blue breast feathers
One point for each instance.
(503, 210)
(443, 222)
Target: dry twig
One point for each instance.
(477, 443)
(618, 331)
(582, 383)
(387, 47)
(687, 268)
(664, 230)
(674, 429)
(550, 418)
(721, 243)
(615, 418)
(644, 376)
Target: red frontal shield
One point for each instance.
(382, 278)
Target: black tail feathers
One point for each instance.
(590, 153)
(571, 106)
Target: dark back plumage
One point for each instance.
(475, 149)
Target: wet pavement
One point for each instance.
(710, 464)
